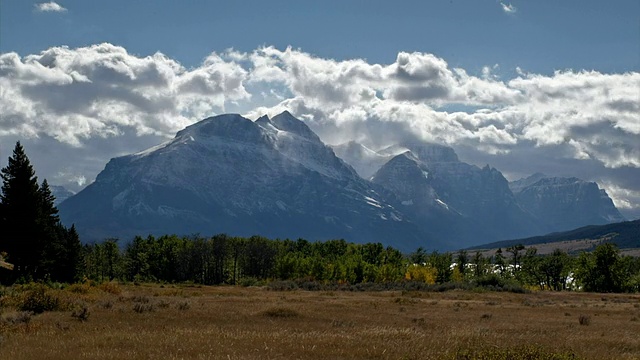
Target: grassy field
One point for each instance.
(179, 322)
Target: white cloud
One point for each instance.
(77, 94)
(49, 7)
(508, 8)
(103, 99)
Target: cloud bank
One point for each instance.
(101, 98)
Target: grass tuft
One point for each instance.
(142, 307)
(518, 353)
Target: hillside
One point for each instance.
(626, 235)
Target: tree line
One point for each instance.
(222, 259)
(41, 248)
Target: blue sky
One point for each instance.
(540, 36)
(526, 86)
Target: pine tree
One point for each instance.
(31, 233)
(71, 259)
(19, 203)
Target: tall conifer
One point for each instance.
(31, 233)
(19, 212)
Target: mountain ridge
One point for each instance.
(275, 177)
(230, 174)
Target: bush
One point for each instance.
(79, 288)
(584, 320)
(81, 313)
(143, 299)
(494, 282)
(107, 304)
(22, 317)
(110, 287)
(39, 300)
(142, 307)
(184, 305)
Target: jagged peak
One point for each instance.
(264, 119)
(426, 152)
(432, 152)
(406, 164)
(287, 122)
(558, 181)
(232, 126)
(406, 158)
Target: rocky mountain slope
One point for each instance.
(565, 203)
(463, 204)
(451, 199)
(272, 177)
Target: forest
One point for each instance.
(38, 247)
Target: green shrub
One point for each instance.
(39, 300)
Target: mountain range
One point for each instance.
(276, 178)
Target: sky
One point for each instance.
(524, 86)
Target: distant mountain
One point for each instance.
(565, 203)
(272, 177)
(451, 199)
(276, 178)
(626, 235)
(463, 203)
(61, 193)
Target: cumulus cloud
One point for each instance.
(49, 7)
(77, 94)
(104, 95)
(508, 8)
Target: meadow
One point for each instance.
(151, 321)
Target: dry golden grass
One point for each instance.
(255, 323)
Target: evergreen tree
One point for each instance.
(71, 261)
(19, 212)
(31, 234)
